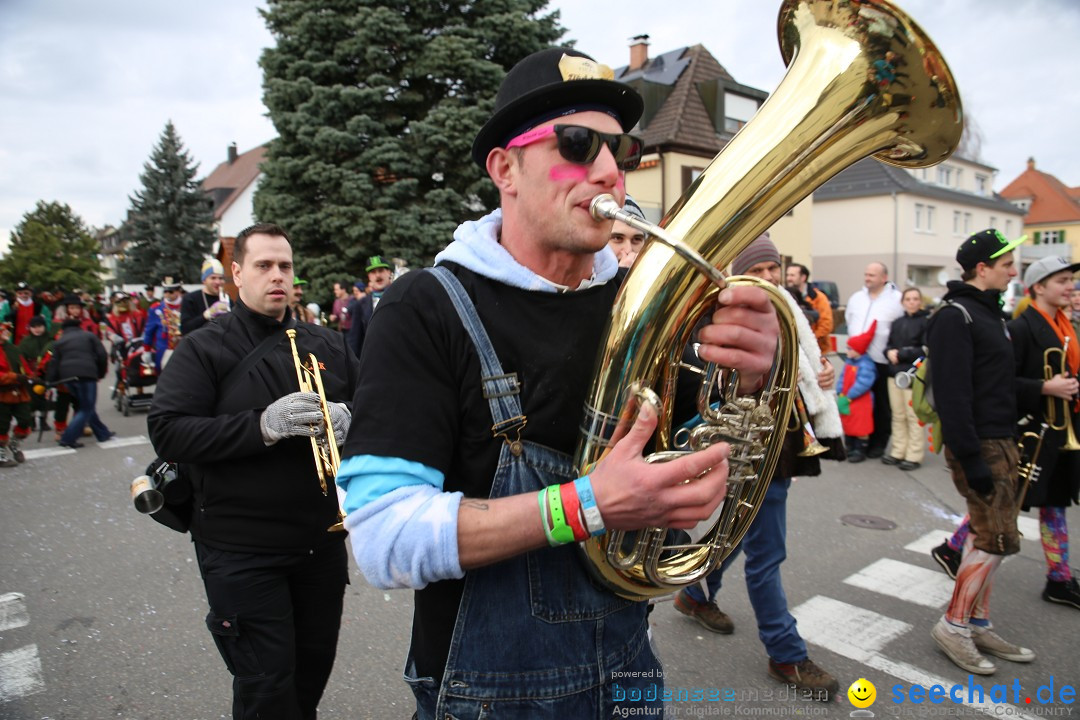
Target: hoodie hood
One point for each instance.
(476, 247)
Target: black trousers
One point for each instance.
(879, 439)
(275, 621)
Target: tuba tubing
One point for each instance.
(863, 80)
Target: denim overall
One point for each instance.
(534, 637)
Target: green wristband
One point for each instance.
(561, 533)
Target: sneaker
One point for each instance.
(805, 675)
(16, 451)
(947, 558)
(72, 446)
(856, 456)
(6, 458)
(1064, 592)
(708, 615)
(908, 466)
(889, 460)
(958, 645)
(989, 642)
(107, 438)
(875, 452)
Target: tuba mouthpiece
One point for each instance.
(604, 207)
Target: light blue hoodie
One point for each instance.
(402, 525)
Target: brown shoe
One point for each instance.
(708, 615)
(805, 675)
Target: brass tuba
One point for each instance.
(863, 79)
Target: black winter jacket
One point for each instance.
(1059, 482)
(77, 354)
(248, 497)
(972, 373)
(907, 336)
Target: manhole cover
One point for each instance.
(868, 522)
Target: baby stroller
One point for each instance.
(134, 377)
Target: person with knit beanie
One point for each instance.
(765, 542)
(199, 308)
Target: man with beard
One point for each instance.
(380, 275)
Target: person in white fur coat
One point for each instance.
(765, 542)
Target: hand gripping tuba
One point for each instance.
(863, 79)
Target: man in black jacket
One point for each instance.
(379, 275)
(974, 384)
(275, 577)
(79, 354)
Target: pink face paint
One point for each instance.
(577, 173)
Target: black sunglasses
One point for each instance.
(580, 145)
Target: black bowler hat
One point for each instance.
(547, 81)
(984, 246)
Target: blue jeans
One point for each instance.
(765, 546)
(85, 392)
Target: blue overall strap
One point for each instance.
(500, 389)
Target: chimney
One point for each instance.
(1031, 163)
(639, 52)
(232, 153)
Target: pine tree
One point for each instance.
(376, 103)
(52, 248)
(169, 229)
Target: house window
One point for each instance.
(924, 217)
(957, 227)
(1049, 237)
(944, 175)
(993, 221)
(1008, 228)
(967, 223)
(959, 177)
(738, 109)
(924, 275)
(982, 184)
(689, 175)
(1023, 203)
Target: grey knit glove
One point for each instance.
(296, 414)
(340, 418)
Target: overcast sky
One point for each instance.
(87, 87)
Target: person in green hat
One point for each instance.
(380, 274)
(296, 302)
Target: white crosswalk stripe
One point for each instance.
(919, 585)
(13, 612)
(861, 635)
(116, 442)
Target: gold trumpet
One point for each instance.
(1050, 369)
(800, 420)
(1030, 469)
(324, 447)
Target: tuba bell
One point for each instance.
(863, 79)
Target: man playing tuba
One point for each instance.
(463, 488)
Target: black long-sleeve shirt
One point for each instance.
(972, 373)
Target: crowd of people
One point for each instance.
(463, 488)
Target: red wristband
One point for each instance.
(572, 510)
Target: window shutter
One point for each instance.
(1038, 235)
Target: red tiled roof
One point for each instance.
(228, 180)
(1051, 200)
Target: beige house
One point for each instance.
(911, 220)
(693, 107)
(1053, 214)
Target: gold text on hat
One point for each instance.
(579, 68)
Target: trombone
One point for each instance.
(323, 447)
(1050, 369)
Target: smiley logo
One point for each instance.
(862, 693)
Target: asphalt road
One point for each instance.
(101, 609)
